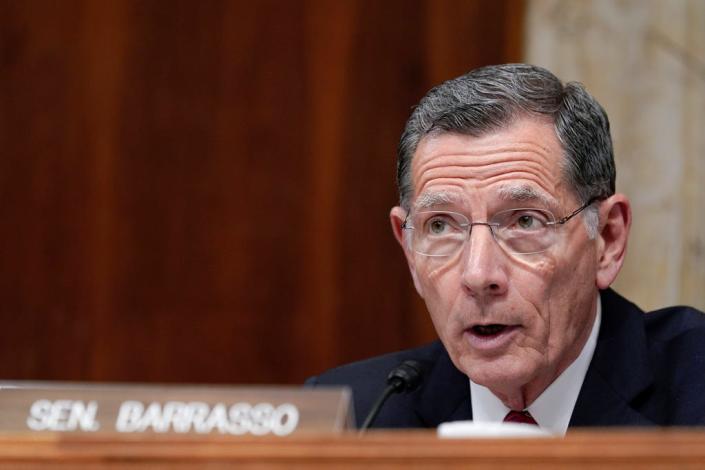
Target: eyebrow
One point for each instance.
(524, 193)
(427, 200)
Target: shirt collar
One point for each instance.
(553, 408)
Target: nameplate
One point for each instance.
(122, 409)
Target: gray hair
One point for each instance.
(490, 98)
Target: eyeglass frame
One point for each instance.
(470, 225)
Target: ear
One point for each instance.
(397, 217)
(615, 221)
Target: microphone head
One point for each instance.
(406, 377)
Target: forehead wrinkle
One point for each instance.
(493, 173)
(489, 160)
(477, 159)
(483, 162)
(488, 145)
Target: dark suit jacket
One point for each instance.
(647, 370)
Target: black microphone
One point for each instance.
(406, 377)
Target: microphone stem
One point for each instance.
(391, 388)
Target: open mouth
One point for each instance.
(491, 338)
(488, 330)
(494, 329)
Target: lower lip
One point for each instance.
(491, 343)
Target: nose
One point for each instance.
(484, 272)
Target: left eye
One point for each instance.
(526, 221)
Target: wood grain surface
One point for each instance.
(597, 449)
(197, 191)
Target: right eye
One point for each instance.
(442, 224)
(437, 226)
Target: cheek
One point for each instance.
(534, 282)
(437, 277)
(443, 293)
(565, 300)
(573, 280)
(534, 293)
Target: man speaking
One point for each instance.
(513, 233)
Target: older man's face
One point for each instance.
(540, 306)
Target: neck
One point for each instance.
(521, 397)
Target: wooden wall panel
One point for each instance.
(198, 191)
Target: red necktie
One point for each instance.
(519, 417)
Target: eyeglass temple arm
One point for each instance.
(578, 210)
(405, 224)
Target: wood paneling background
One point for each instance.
(197, 191)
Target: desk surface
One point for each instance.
(604, 449)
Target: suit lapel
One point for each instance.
(447, 394)
(619, 369)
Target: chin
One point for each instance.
(497, 374)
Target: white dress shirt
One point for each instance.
(553, 408)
